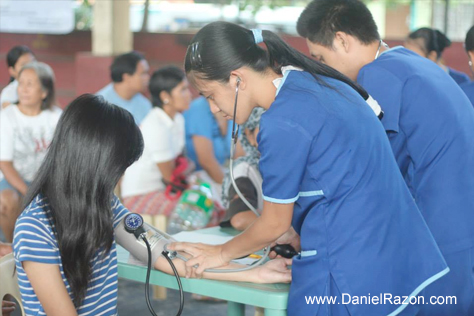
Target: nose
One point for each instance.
(214, 108)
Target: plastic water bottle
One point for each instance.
(193, 210)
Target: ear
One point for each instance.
(165, 96)
(125, 77)
(237, 77)
(342, 41)
(12, 72)
(433, 56)
(470, 54)
(44, 94)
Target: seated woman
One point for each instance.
(247, 178)
(143, 185)
(26, 129)
(208, 139)
(64, 244)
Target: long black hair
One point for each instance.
(432, 40)
(93, 145)
(221, 47)
(164, 79)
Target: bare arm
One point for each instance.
(5, 104)
(49, 287)
(13, 177)
(274, 271)
(274, 222)
(166, 169)
(207, 159)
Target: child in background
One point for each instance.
(17, 57)
(247, 178)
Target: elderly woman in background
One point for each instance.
(26, 129)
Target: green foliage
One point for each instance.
(83, 15)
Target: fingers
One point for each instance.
(187, 247)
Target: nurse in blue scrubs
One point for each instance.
(327, 169)
(430, 125)
(468, 87)
(431, 43)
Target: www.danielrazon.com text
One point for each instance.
(385, 298)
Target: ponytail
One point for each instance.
(221, 47)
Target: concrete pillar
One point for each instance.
(111, 33)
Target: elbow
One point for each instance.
(242, 220)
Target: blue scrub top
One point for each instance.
(430, 125)
(468, 89)
(326, 151)
(200, 121)
(458, 76)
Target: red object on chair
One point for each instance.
(178, 182)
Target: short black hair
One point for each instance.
(164, 79)
(433, 40)
(321, 19)
(15, 53)
(469, 42)
(125, 64)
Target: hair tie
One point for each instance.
(257, 35)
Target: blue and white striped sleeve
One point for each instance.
(33, 241)
(284, 146)
(119, 211)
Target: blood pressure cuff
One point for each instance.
(156, 238)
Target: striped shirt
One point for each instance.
(35, 240)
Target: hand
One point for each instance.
(290, 237)
(204, 257)
(274, 271)
(5, 249)
(8, 307)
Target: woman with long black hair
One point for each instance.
(64, 241)
(327, 169)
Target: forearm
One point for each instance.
(166, 169)
(13, 177)
(264, 230)
(213, 169)
(243, 276)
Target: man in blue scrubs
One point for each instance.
(429, 122)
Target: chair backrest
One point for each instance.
(9, 281)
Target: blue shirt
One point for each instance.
(199, 121)
(430, 125)
(468, 89)
(458, 76)
(326, 151)
(138, 105)
(35, 240)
